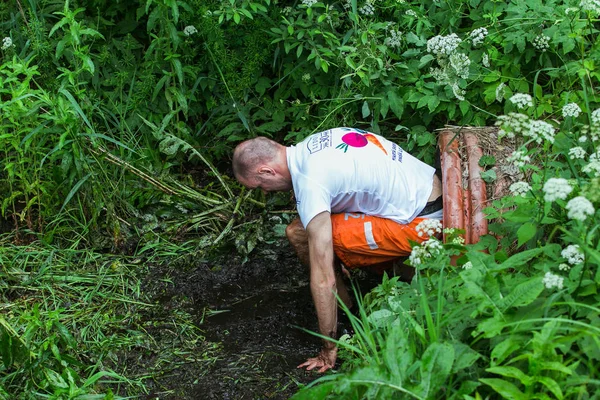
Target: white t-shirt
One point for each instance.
(351, 170)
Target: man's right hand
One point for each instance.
(324, 361)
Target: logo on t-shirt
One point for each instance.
(356, 139)
(319, 141)
(396, 152)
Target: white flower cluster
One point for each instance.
(190, 30)
(595, 132)
(573, 254)
(520, 188)
(556, 188)
(485, 60)
(460, 63)
(426, 250)
(395, 38)
(458, 240)
(579, 208)
(577, 153)
(541, 42)
(309, 3)
(592, 6)
(571, 110)
(443, 45)
(439, 75)
(593, 167)
(467, 265)
(553, 281)
(367, 8)
(500, 92)
(517, 123)
(478, 35)
(287, 10)
(595, 116)
(540, 131)
(511, 124)
(519, 158)
(411, 13)
(306, 77)
(6, 43)
(457, 91)
(564, 267)
(429, 227)
(521, 100)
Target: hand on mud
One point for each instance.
(324, 361)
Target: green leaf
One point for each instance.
(504, 388)
(74, 190)
(57, 26)
(75, 105)
(55, 379)
(432, 103)
(178, 69)
(365, 110)
(523, 294)
(436, 364)
(423, 101)
(396, 103)
(464, 106)
(465, 357)
(66, 335)
(520, 258)
(425, 60)
(487, 160)
(526, 232)
(175, 11)
(489, 176)
(551, 385)
(512, 372)
(320, 391)
(242, 118)
(382, 317)
(505, 348)
(384, 106)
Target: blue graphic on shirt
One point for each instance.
(396, 152)
(319, 141)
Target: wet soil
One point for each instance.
(253, 312)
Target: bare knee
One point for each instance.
(298, 238)
(295, 231)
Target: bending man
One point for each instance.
(359, 198)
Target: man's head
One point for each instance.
(262, 163)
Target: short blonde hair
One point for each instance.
(251, 153)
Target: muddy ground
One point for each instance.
(251, 313)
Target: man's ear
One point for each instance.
(265, 169)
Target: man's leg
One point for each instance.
(298, 238)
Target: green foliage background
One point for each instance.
(117, 120)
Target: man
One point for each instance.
(359, 198)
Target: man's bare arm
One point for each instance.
(323, 288)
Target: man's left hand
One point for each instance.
(324, 361)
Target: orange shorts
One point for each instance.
(360, 240)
